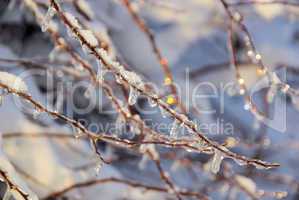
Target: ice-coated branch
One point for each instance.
(13, 186)
(132, 81)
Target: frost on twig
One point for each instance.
(12, 81)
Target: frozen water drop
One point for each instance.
(36, 113)
(98, 167)
(175, 128)
(46, 21)
(152, 102)
(79, 133)
(216, 162)
(133, 96)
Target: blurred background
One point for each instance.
(195, 39)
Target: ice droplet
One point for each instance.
(36, 113)
(152, 102)
(133, 96)
(216, 162)
(175, 128)
(101, 71)
(240, 162)
(118, 79)
(78, 133)
(134, 126)
(98, 167)
(46, 21)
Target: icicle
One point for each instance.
(101, 74)
(174, 132)
(98, 167)
(240, 162)
(216, 162)
(152, 102)
(118, 79)
(46, 21)
(36, 113)
(133, 96)
(78, 133)
(101, 71)
(53, 53)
